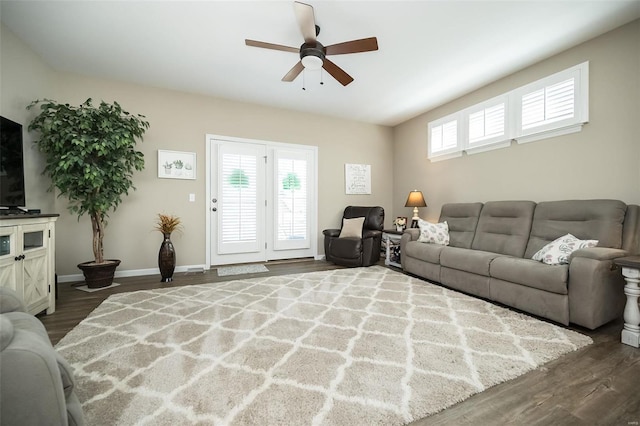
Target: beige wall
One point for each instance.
(601, 161)
(23, 78)
(180, 121)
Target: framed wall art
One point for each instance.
(176, 164)
(357, 178)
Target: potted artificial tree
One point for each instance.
(90, 157)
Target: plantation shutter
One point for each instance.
(444, 136)
(487, 123)
(241, 197)
(548, 104)
(292, 200)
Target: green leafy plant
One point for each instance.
(90, 156)
(179, 164)
(167, 165)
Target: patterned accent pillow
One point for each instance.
(352, 227)
(436, 233)
(557, 252)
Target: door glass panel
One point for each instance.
(292, 199)
(239, 190)
(33, 240)
(5, 245)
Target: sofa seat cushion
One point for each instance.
(530, 273)
(346, 248)
(427, 252)
(474, 261)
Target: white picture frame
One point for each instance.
(176, 164)
(357, 178)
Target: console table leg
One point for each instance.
(631, 331)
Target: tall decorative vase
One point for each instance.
(167, 259)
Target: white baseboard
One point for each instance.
(319, 257)
(135, 273)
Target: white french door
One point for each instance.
(262, 201)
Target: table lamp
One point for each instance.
(415, 200)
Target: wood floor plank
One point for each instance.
(599, 384)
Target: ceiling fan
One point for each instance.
(313, 55)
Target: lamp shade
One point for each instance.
(415, 199)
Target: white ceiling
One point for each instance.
(430, 52)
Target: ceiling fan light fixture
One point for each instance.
(312, 62)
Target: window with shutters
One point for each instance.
(553, 106)
(487, 125)
(444, 140)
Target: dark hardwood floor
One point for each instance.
(597, 385)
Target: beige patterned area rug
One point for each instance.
(356, 346)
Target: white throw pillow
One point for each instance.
(352, 227)
(435, 233)
(557, 252)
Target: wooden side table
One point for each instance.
(631, 272)
(392, 238)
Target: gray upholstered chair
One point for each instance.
(36, 383)
(356, 251)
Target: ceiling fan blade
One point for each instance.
(294, 72)
(264, 45)
(306, 21)
(337, 72)
(353, 46)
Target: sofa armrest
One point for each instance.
(598, 253)
(595, 286)
(10, 302)
(331, 233)
(411, 234)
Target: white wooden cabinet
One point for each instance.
(27, 259)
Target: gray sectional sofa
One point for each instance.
(36, 382)
(491, 246)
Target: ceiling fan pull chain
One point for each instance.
(321, 76)
(304, 73)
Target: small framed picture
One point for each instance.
(176, 164)
(400, 223)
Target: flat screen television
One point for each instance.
(12, 194)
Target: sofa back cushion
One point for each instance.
(462, 219)
(600, 220)
(504, 227)
(373, 216)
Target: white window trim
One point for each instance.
(513, 117)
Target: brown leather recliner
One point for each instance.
(353, 251)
